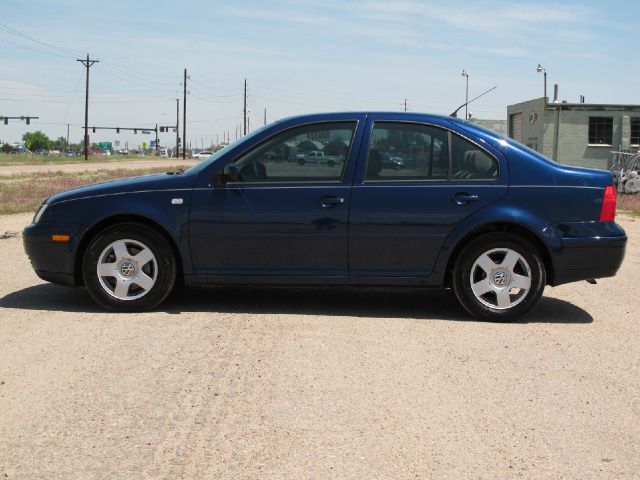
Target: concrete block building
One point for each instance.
(582, 134)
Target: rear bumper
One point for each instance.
(52, 261)
(587, 258)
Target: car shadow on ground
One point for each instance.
(356, 302)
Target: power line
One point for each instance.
(34, 49)
(15, 32)
(136, 77)
(234, 87)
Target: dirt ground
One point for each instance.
(317, 384)
(94, 166)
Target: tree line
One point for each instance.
(39, 140)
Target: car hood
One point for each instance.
(144, 183)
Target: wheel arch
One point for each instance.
(501, 226)
(123, 218)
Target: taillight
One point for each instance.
(608, 210)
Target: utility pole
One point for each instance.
(87, 63)
(177, 127)
(184, 118)
(265, 115)
(245, 106)
(66, 150)
(156, 139)
(405, 104)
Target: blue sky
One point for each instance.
(302, 56)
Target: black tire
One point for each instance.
(528, 267)
(331, 163)
(163, 267)
(301, 161)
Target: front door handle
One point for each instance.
(463, 198)
(330, 201)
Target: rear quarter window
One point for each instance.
(470, 162)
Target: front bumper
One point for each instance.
(52, 261)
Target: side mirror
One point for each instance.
(230, 173)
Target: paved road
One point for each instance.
(330, 384)
(94, 166)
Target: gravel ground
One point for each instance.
(347, 384)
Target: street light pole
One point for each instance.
(466, 96)
(543, 70)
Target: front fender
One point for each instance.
(157, 207)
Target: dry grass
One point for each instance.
(24, 192)
(32, 159)
(629, 204)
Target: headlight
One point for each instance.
(39, 212)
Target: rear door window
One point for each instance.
(407, 151)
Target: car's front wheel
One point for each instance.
(129, 267)
(499, 277)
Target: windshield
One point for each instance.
(223, 151)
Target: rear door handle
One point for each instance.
(330, 201)
(463, 198)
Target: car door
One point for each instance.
(416, 181)
(278, 217)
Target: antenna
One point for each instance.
(455, 113)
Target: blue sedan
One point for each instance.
(469, 210)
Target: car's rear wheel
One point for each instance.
(129, 267)
(499, 277)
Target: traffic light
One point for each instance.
(94, 129)
(161, 129)
(117, 130)
(28, 121)
(135, 131)
(6, 121)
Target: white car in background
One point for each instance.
(202, 155)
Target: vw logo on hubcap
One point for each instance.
(127, 269)
(500, 278)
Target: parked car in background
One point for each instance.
(394, 162)
(41, 151)
(316, 156)
(471, 210)
(202, 155)
(19, 149)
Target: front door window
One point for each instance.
(312, 153)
